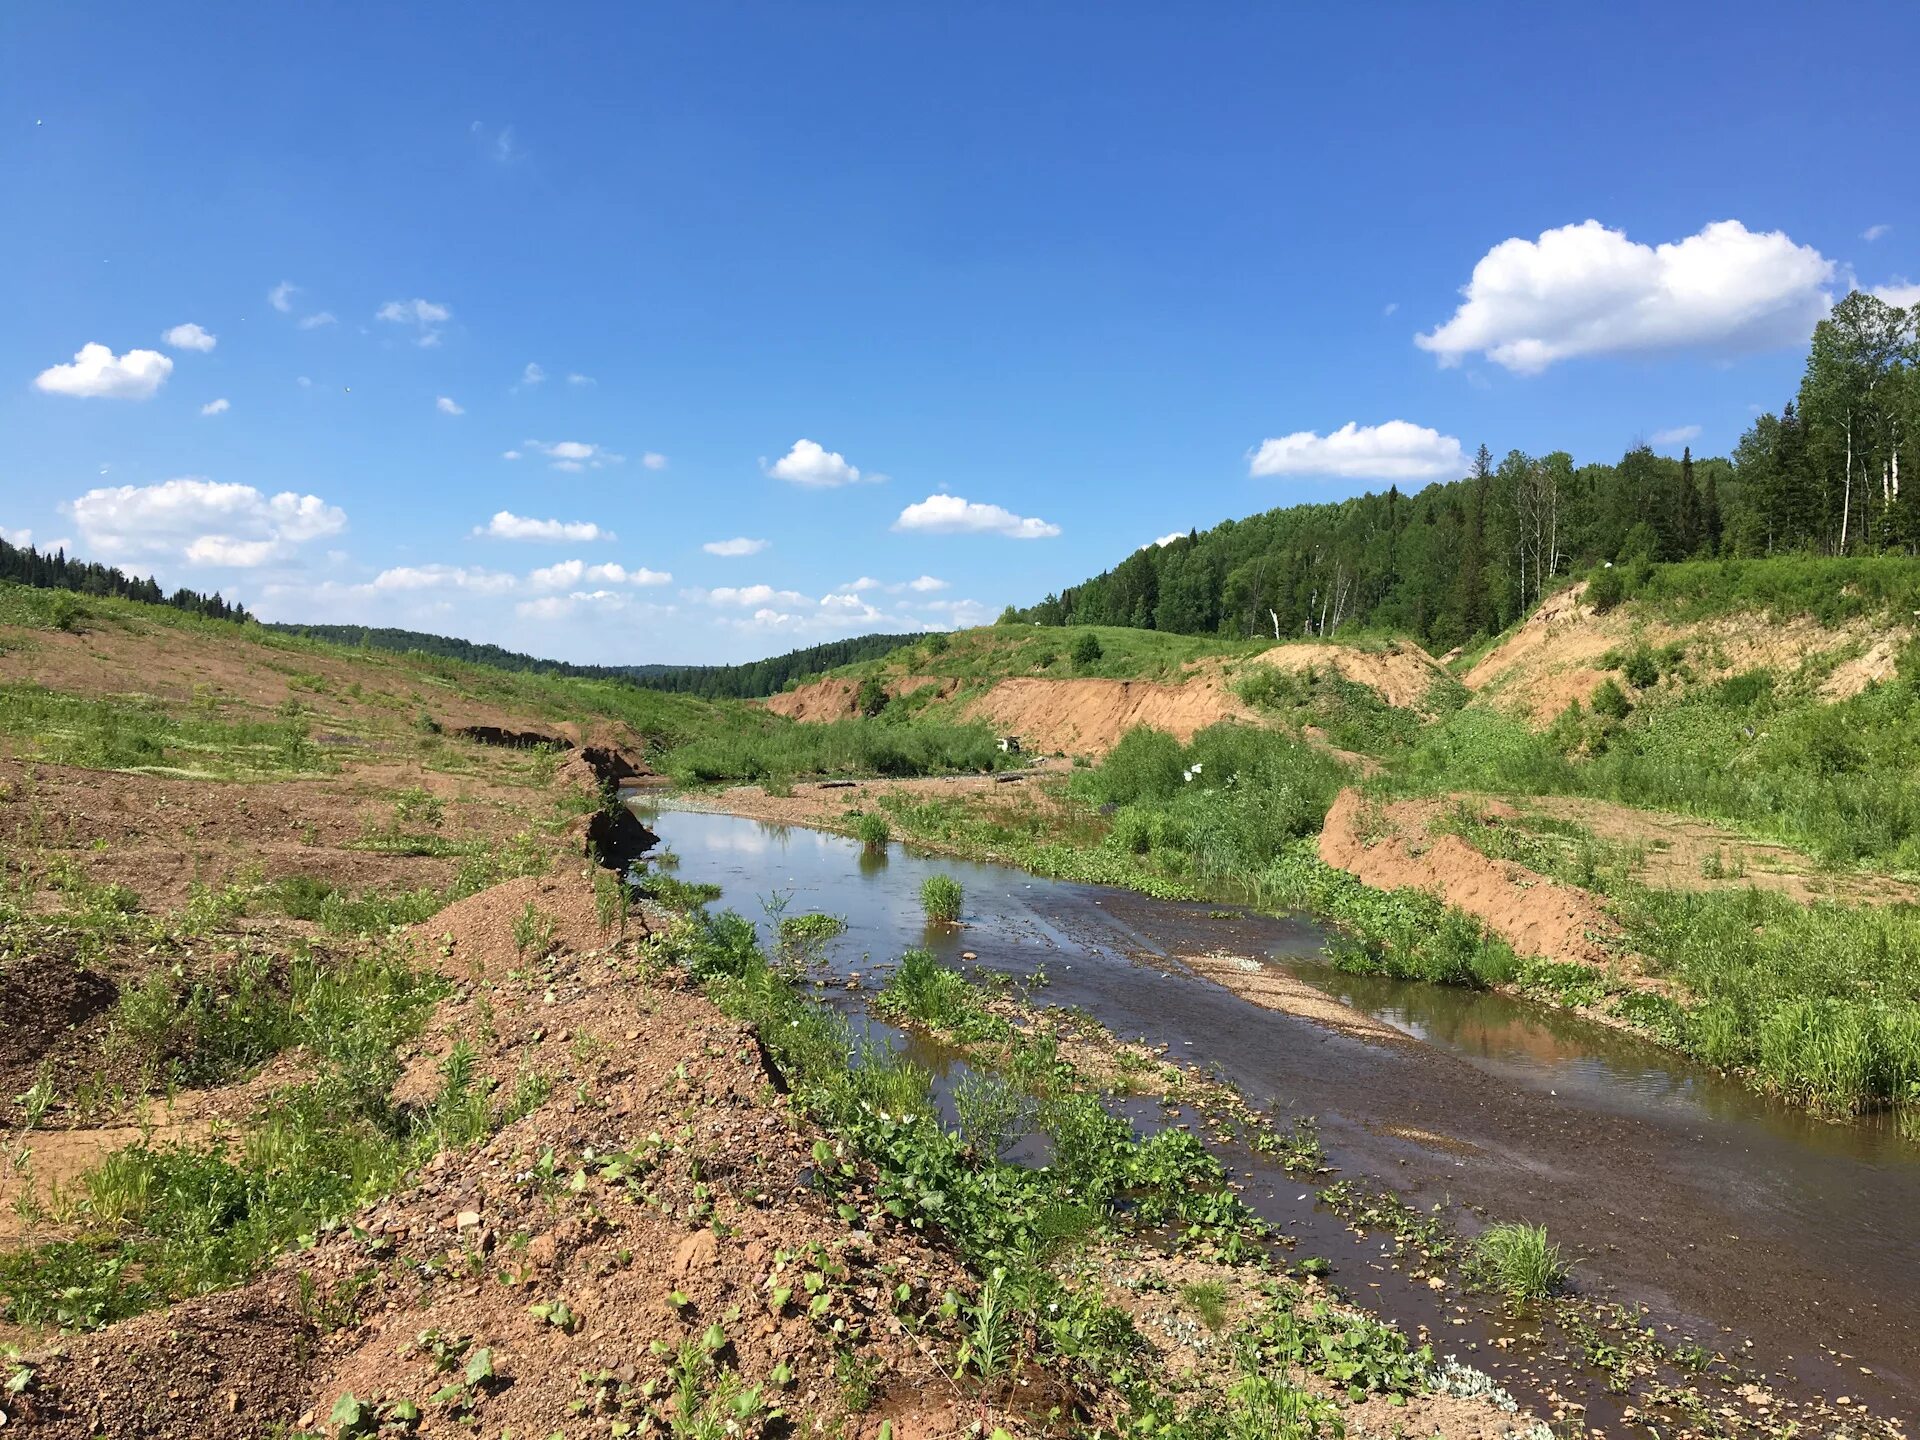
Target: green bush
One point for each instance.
(1086, 650)
(871, 697)
(872, 830)
(1145, 765)
(1611, 701)
(1606, 588)
(1641, 669)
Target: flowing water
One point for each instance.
(1733, 1218)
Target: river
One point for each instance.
(1736, 1220)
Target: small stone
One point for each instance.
(466, 1219)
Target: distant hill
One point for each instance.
(1464, 559)
(748, 681)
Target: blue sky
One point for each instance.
(1049, 277)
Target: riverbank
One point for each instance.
(1644, 1187)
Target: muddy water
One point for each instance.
(1732, 1218)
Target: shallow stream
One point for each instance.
(1736, 1220)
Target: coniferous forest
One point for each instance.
(1466, 558)
(26, 565)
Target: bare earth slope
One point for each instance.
(1556, 656)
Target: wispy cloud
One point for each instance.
(316, 320)
(423, 317)
(447, 405)
(738, 546)
(280, 297)
(1676, 435)
(1876, 232)
(571, 455)
(216, 407)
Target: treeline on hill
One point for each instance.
(1467, 558)
(26, 565)
(749, 681)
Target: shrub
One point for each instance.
(940, 898)
(1606, 588)
(1145, 765)
(871, 698)
(872, 830)
(1086, 649)
(1641, 669)
(1611, 701)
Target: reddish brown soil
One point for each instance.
(720, 1209)
(1390, 846)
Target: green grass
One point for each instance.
(772, 749)
(1519, 1261)
(940, 898)
(133, 733)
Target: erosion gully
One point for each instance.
(1787, 1243)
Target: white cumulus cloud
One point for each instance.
(216, 407)
(951, 515)
(505, 525)
(533, 374)
(1900, 292)
(1397, 450)
(814, 465)
(926, 584)
(447, 405)
(738, 546)
(1586, 290)
(745, 596)
(203, 521)
(97, 373)
(281, 296)
(190, 337)
(569, 573)
(1162, 541)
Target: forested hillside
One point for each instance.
(749, 681)
(53, 570)
(1468, 557)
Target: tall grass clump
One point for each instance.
(1519, 1261)
(872, 830)
(778, 749)
(940, 897)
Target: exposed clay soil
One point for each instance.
(1554, 658)
(1390, 846)
(1088, 716)
(1401, 673)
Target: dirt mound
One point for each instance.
(1390, 846)
(656, 1216)
(1089, 716)
(1402, 673)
